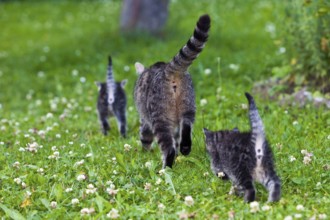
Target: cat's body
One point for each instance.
(245, 157)
(165, 98)
(111, 102)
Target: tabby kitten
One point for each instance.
(244, 157)
(112, 101)
(165, 98)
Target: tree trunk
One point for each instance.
(144, 15)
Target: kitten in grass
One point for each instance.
(244, 157)
(165, 98)
(111, 101)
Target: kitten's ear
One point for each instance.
(139, 67)
(123, 83)
(207, 132)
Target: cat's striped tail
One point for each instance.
(255, 120)
(189, 52)
(110, 83)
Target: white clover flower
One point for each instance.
(127, 147)
(33, 147)
(81, 177)
(79, 163)
(304, 152)
(75, 201)
(244, 106)
(88, 108)
(49, 115)
(254, 206)
(90, 189)
(203, 102)
(307, 160)
(221, 174)
(207, 71)
(188, 200)
(28, 194)
(292, 158)
(289, 217)
(82, 79)
(234, 67)
(281, 50)
(147, 186)
(18, 181)
(161, 172)
(126, 68)
(161, 206)
(71, 142)
(148, 164)
(112, 191)
(89, 155)
(113, 214)
(297, 215)
(82, 145)
(68, 190)
(206, 174)
(16, 164)
(21, 149)
(40, 170)
(115, 172)
(322, 216)
(270, 28)
(158, 181)
(53, 205)
(75, 72)
(87, 211)
(295, 123)
(328, 137)
(300, 208)
(58, 135)
(265, 208)
(23, 185)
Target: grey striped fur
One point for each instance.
(111, 101)
(165, 98)
(245, 157)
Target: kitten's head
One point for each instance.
(210, 142)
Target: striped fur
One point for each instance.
(165, 98)
(110, 82)
(245, 157)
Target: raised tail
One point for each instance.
(257, 126)
(110, 83)
(193, 47)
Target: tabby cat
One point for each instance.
(244, 157)
(111, 101)
(165, 98)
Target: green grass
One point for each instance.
(47, 48)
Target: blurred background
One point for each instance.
(59, 48)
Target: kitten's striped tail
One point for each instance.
(189, 52)
(110, 83)
(255, 120)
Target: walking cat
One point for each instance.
(112, 101)
(165, 98)
(244, 157)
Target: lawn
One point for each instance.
(56, 164)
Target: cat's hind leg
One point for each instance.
(273, 185)
(146, 135)
(121, 120)
(163, 133)
(105, 127)
(186, 129)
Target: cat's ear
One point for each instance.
(98, 84)
(123, 83)
(139, 67)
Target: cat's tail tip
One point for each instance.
(249, 97)
(205, 20)
(110, 60)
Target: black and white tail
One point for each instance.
(189, 52)
(110, 83)
(258, 133)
